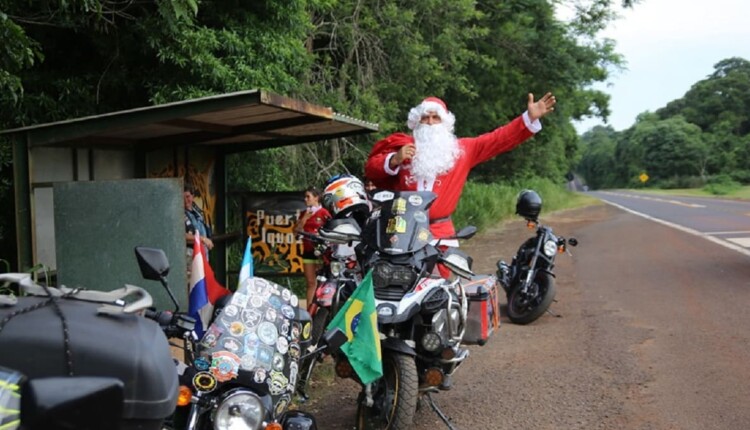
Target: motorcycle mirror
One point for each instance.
(466, 232)
(153, 263)
(333, 339)
(72, 402)
(458, 262)
(154, 266)
(573, 241)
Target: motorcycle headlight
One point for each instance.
(550, 248)
(386, 274)
(239, 411)
(336, 268)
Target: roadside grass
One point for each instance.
(485, 205)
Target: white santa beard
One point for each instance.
(437, 151)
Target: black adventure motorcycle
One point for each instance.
(529, 281)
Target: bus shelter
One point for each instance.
(88, 189)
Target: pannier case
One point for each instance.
(484, 315)
(128, 347)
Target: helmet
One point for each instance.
(528, 204)
(345, 195)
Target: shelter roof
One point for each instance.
(240, 121)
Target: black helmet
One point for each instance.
(529, 204)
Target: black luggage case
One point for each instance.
(128, 347)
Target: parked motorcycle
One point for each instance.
(338, 276)
(529, 280)
(421, 317)
(89, 356)
(241, 375)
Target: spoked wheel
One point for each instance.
(394, 396)
(308, 364)
(525, 308)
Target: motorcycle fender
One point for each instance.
(397, 345)
(551, 273)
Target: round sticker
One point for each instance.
(294, 301)
(288, 311)
(231, 311)
(271, 314)
(251, 317)
(284, 328)
(278, 362)
(286, 294)
(294, 351)
(232, 345)
(224, 365)
(293, 373)
(295, 331)
(204, 381)
(282, 345)
(275, 301)
(247, 362)
(236, 328)
(201, 363)
(259, 376)
(306, 330)
(419, 216)
(267, 333)
(256, 301)
(281, 405)
(415, 200)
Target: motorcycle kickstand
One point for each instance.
(439, 412)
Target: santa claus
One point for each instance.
(434, 159)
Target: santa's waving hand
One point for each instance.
(432, 158)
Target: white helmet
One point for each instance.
(345, 194)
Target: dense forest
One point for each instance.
(701, 139)
(368, 59)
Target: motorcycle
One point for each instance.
(105, 335)
(421, 317)
(91, 358)
(529, 280)
(242, 373)
(338, 276)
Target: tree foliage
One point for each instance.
(368, 59)
(701, 135)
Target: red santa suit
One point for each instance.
(448, 186)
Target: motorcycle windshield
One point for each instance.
(255, 341)
(403, 224)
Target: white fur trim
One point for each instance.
(416, 113)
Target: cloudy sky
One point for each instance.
(669, 45)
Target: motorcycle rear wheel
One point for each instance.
(395, 396)
(526, 308)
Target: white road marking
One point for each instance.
(727, 232)
(741, 241)
(656, 199)
(721, 242)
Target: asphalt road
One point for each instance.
(650, 332)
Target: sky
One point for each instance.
(668, 46)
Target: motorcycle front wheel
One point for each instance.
(525, 308)
(394, 396)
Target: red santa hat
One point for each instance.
(431, 104)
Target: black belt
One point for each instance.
(439, 220)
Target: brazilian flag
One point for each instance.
(359, 320)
